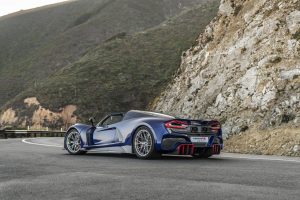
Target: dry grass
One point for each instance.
(279, 141)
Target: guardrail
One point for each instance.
(4, 134)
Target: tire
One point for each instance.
(72, 142)
(143, 144)
(204, 154)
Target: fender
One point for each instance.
(82, 129)
(156, 128)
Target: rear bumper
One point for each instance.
(181, 145)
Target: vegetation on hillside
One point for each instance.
(35, 44)
(127, 71)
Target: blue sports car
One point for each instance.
(147, 135)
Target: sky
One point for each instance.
(10, 6)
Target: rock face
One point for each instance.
(40, 117)
(244, 69)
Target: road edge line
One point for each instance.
(256, 158)
(46, 145)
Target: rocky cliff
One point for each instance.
(244, 69)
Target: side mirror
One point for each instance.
(92, 120)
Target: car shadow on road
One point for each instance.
(162, 158)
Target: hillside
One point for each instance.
(125, 71)
(37, 43)
(245, 71)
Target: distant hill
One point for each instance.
(36, 43)
(100, 56)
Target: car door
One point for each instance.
(106, 132)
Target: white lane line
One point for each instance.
(46, 145)
(257, 158)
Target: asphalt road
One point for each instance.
(31, 171)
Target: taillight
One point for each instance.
(215, 126)
(176, 124)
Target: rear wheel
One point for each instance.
(143, 144)
(73, 142)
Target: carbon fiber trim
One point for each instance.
(169, 143)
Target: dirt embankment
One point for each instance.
(279, 141)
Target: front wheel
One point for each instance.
(73, 142)
(143, 144)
